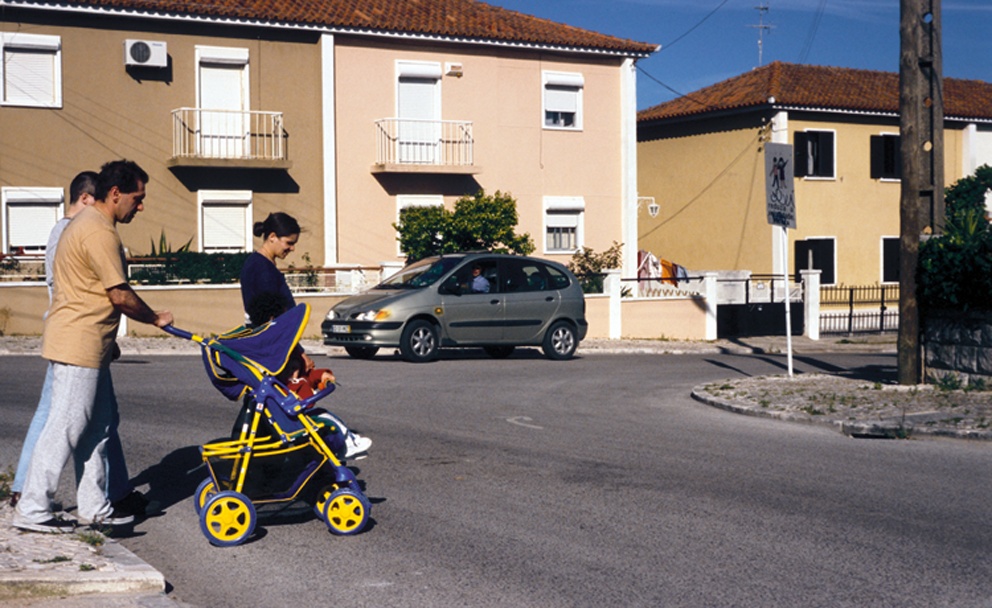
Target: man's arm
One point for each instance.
(127, 302)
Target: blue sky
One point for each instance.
(706, 41)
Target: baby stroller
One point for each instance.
(283, 445)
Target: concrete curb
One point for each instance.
(51, 565)
(889, 428)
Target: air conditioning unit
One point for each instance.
(146, 53)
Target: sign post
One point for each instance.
(780, 199)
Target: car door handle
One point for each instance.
(494, 302)
(549, 299)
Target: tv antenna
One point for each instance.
(761, 27)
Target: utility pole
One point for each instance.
(921, 132)
(761, 27)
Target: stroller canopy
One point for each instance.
(238, 359)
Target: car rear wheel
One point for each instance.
(419, 342)
(560, 341)
(499, 352)
(361, 352)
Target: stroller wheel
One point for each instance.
(227, 518)
(204, 491)
(322, 497)
(346, 512)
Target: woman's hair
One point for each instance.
(282, 224)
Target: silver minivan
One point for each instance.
(490, 300)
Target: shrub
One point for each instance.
(477, 222)
(955, 269)
(192, 266)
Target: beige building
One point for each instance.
(701, 169)
(337, 112)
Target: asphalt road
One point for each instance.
(526, 482)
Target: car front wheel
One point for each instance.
(419, 342)
(361, 352)
(560, 341)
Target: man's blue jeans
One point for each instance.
(118, 481)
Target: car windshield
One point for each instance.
(420, 274)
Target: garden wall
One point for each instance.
(958, 343)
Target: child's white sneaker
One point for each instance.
(356, 446)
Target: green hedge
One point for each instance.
(190, 266)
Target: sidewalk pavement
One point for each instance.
(66, 571)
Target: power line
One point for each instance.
(808, 45)
(680, 94)
(689, 31)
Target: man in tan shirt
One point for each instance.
(91, 292)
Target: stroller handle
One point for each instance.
(179, 333)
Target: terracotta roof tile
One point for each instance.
(454, 18)
(819, 87)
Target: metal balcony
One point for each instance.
(405, 145)
(228, 138)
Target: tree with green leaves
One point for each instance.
(477, 222)
(955, 268)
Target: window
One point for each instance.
(563, 225)
(890, 259)
(223, 101)
(814, 151)
(418, 108)
(817, 254)
(29, 215)
(225, 220)
(563, 100)
(886, 157)
(31, 71)
(414, 200)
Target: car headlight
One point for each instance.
(373, 315)
(331, 315)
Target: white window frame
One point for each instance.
(226, 198)
(32, 42)
(572, 80)
(891, 180)
(834, 172)
(30, 197)
(881, 259)
(414, 200)
(574, 205)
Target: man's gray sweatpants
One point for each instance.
(78, 425)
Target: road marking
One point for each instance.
(522, 421)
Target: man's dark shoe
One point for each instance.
(55, 525)
(118, 517)
(14, 497)
(134, 503)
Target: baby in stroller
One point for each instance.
(303, 378)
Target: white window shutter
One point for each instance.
(224, 226)
(29, 225)
(29, 76)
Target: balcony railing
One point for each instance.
(441, 146)
(228, 135)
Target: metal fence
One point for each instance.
(859, 309)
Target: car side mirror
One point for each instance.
(451, 287)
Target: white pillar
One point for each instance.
(611, 287)
(811, 302)
(328, 145)
(628, 168)
(710, 294)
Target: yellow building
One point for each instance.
(701, 171)
(339, 113)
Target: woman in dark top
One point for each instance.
(262, 284)
(259, 276)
